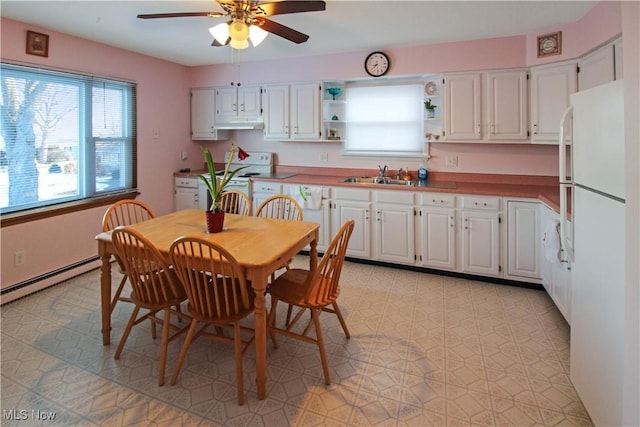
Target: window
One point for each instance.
(64, 137)
(384, 120)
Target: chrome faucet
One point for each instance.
(383, 171)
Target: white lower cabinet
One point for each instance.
(436, 235)
(443, 231)
(355, 204)
(480, 221)
(523, 244)
(394, 228)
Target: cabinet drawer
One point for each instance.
(484, 203)
(352, 194)
(267, 187)
(403, 197)
(186, 182)
(439, 199)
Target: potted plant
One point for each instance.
(431, 109)
(216, 185)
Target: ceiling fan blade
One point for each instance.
(288, 6)
(180, 15)
(282, 30)
(216, 43)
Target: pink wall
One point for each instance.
(163, 101)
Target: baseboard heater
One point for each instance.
(47, 276)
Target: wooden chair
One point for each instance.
(236, 202)
(124, 212)
(218, 294)
(155, 288)
(280, 206)
(314, 290)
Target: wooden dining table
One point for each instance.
(260, 245)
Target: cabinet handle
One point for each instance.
(242, 107)
(452, 221)
(493, 128)
(535, 129)
(479, 129)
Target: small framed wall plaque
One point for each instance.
(37, 44)
(550, 44)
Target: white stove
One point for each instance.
(256, 164)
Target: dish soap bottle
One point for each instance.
(422, 173)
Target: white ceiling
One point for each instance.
(345, 26)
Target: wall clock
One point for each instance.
(550, 44)
(377, 64)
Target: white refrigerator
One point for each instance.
(594, 245)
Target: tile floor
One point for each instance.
(425, 350)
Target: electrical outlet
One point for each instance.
(324, 156)
(452, 161)
(19, 258)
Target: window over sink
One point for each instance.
(384, 119)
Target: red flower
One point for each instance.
(242, 154)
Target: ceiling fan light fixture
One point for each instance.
(220, 32)
(238, 30)
(239, 44)
(257, 35)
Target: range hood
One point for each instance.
(241, 123)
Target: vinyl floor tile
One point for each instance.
(425, 350)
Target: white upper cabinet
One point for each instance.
(596, 68)
(462, 114)
(486, 106)
(237, 101)
(292, 112)
(551, 87)
(507, 110)
(203, 113)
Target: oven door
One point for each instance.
(242, 185)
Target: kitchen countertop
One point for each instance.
(543, 188)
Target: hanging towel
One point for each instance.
(551, 241)
(307, 197)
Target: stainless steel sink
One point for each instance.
(377, 180)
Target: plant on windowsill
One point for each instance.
(216, 185)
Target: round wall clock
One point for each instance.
(377, 64)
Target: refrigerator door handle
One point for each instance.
(566, 184)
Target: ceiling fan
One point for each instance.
(249, 22)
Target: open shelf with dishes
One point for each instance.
(432, 109)
(333, 111)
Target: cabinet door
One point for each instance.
(462, 114)
(481, 243)
(186, 198)
(507, 105)
(523, 242)
(551, 87)
(437, 238)
(596, 68)
(203, 104)
(395, 233)
(322, 217)
(275, 99)
(249, 101)
(305, 111)
(226, 103)
(360, 241)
